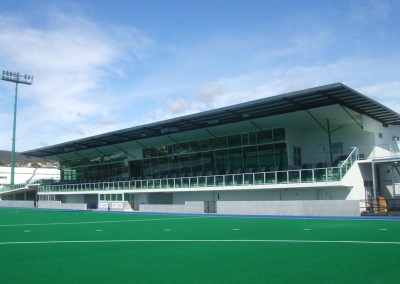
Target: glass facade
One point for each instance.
(95, 168)
(240, 152)
(218, 155)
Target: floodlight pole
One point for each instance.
(15, 78)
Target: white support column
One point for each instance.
(373, 181)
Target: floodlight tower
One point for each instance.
(16, 78)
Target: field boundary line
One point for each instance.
(199, 241)
(99, 222)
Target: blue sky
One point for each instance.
(104, 65)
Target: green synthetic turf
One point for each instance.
(38, 246)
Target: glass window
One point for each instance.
(197, 163)
(136, 168)
(147, 168)
(236, 158)
(195, 147)
(148, 153)
(250, 157)
(69, 174)
(264, 136)
(245, 139)
(281, 154)
(208, 161)
(296, 156)
(253, 138)
(173, 163)
(220, 143)
(194, 156)
(266, 155)
(184, 164)
(207, 144)
(163, 165)
(162, 150)
(279, 134)
(337, 148)
(235, 141)
(222, 160)
(181, 148)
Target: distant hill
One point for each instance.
(21, 160)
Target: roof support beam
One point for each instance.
(216, 137)
(177, 142)
(359, 124)
(258, 127)
(119, 148)
(328, 131)
(144, 146)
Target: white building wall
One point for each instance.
(294, 208)
(315, 142)
(141, 198)
(27, 175)
(182, 197)
(249, 195)
(352, 136)
(383, 138)
(315, 146)
(75, 198)
(355, 179)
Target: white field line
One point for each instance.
(199, 241)
(99, 222)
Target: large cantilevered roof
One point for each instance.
(333, 94)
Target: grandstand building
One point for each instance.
(327, 150)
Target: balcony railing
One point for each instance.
(255, 179)
(14, 187)
(379, 151)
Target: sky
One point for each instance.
(105, 65)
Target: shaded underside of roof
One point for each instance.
(286, 103)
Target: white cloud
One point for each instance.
(208, 93)
(370, 10)
(357, 73)
(71, 59)
(386, 93)
(92, 78)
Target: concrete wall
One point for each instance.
(164, 208)
(272, 194)
(182, 197)
(59, 205)
(287, 208)
(190, 207)
(74, 198)
(16, 203)
(354, 177)
(292, 208)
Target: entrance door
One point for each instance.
(210, 207)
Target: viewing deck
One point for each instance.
(247, 178)
(305, 176)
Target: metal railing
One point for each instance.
(379, 151)
(14, 187)
(256, 179)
